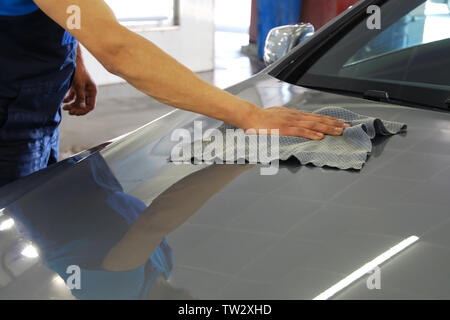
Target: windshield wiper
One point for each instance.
(376, 95)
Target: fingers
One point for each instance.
(322, 128)
(327, 121)
(70, 96)
(75, 110)
(83, 100)
(298, 124)
(81, 96)
(311, 130)
(313, 126)
(302, 116)
(301, 133)
(316, 115)
(91, 96)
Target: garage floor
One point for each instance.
(121, 108)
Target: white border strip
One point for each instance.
(365, 269)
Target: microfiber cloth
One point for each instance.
(348, 151)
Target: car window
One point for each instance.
(427, 23)
(407, 59)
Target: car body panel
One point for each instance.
(287, 236)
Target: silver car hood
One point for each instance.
(236, 234)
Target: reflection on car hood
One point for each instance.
(231, 232)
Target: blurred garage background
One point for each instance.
(221, 40)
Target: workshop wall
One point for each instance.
(191, 43)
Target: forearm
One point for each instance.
(155, 73)
(144, 65)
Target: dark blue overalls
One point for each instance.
(37, 63)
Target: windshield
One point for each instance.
(408, 58)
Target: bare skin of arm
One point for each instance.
(152, 71)
(81, 97)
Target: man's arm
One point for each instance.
(152, 71)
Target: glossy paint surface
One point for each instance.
(235, 233)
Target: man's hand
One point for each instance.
(82, 95)
(295, 123)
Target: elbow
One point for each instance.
(115, 52)
(114, 61)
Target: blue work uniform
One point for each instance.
(37, 63)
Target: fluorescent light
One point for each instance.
(30, 251)
(7, 224)
(368, 267)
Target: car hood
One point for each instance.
(234, 233)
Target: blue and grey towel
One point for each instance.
(348, 151)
